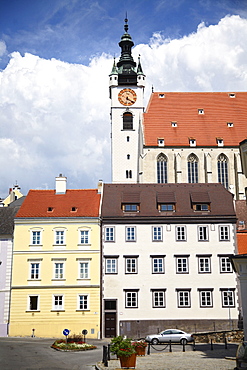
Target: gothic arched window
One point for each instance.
(192, 169)
(162, 169)
(127, 121)
(222, 163)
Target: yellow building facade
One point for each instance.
(56, 264)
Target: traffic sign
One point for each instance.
(66, 332)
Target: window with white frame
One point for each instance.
(36, 237)
(111, 265)
(228, 298)
(206, 297)
(131, 264)
(182, 264)
(84, 236)
(34, 270)
(224, 233)
(83, 302)
(158, 298)
(58, 270)
(222, 164)
(83, 269)
(131, 298)
(130, 232)
(192, 168)
(58, 302)
(225, 264)
(158, 265)
(162, 168)
(183, 296)
(157, 233)
(204, 264)
(202, 233)
(33, 303)
(59, 236)
(180, 233)
(109, 234)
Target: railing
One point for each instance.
(166, 345)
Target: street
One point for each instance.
(36, 353)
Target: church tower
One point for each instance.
(127, 82)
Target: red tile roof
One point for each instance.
(85, 202)
(242, 242)
(182, 107)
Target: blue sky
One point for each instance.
(55, 58)
(76, 30)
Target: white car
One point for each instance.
(173, 335)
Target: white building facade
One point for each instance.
(166, 261)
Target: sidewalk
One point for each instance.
(202, 358)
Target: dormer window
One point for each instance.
(166, 207)
(131, 207)
(232, 95)
(73, 209)
(161, 142)
(230, 124)
(192, 141)
(220, 141)
(174, 124)
(201, 207)
(161, 96)
(50, 209)
(200, 111)
(200, 201)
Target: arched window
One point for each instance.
(128, 174)
(192, 169)
(161, 169)
(223, 170)
(127, 121)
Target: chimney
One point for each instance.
(100, 185)
(61, 184)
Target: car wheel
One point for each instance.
(183, 341)
(155, 341)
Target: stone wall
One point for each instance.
(141, 328)
(233, 336)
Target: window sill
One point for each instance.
(62, 310)
(32, 310)
(33, 280)
(62, 279)
(87, 310)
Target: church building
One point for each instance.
(181, 137)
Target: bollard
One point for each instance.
(104, 360)
(170, 346)
(225, 343)
(33, 335)
(212, 344)
(194, 345)
(109, 352)
(149, 345)
(183, 346)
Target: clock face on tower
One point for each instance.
(127, 97)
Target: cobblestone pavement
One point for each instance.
(202, 358)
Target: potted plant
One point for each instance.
(140, 347)
(124, 350)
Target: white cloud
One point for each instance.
(54, 116)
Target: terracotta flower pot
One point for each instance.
(140, 351)
(127, 362)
